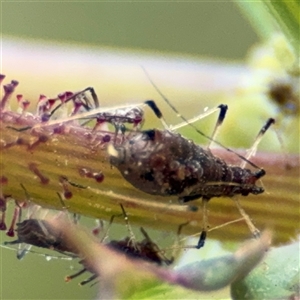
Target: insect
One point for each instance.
(161, 162)
(37, 231)
(82, 105)
(34, 230)
(145, 250)
(40, 233)
(131, 114)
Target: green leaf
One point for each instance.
(277, 277)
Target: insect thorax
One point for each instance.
(164, 163)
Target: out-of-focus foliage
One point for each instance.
(277, 277)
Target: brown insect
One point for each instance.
(161, 162)
(145, 250)
(39, 233)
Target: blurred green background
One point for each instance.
(201, 29)
(213, 28)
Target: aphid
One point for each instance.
(145, 250)
(81, 103)
(33, 230)
(40, 233)
(160, 162)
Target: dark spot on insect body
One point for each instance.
(148, 176)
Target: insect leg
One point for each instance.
(252, 150)
(203, 234)
(131, 234)
(222, 107)
(70, 277)
(86, 105)
(178, 243)
(89, 280)
(94, 95)
(109, 225)
(255, 232)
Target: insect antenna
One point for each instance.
(106, 234)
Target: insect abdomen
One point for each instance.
(163, 163)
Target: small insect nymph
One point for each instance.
(145, 250)
(40, 233)
(81, 103)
